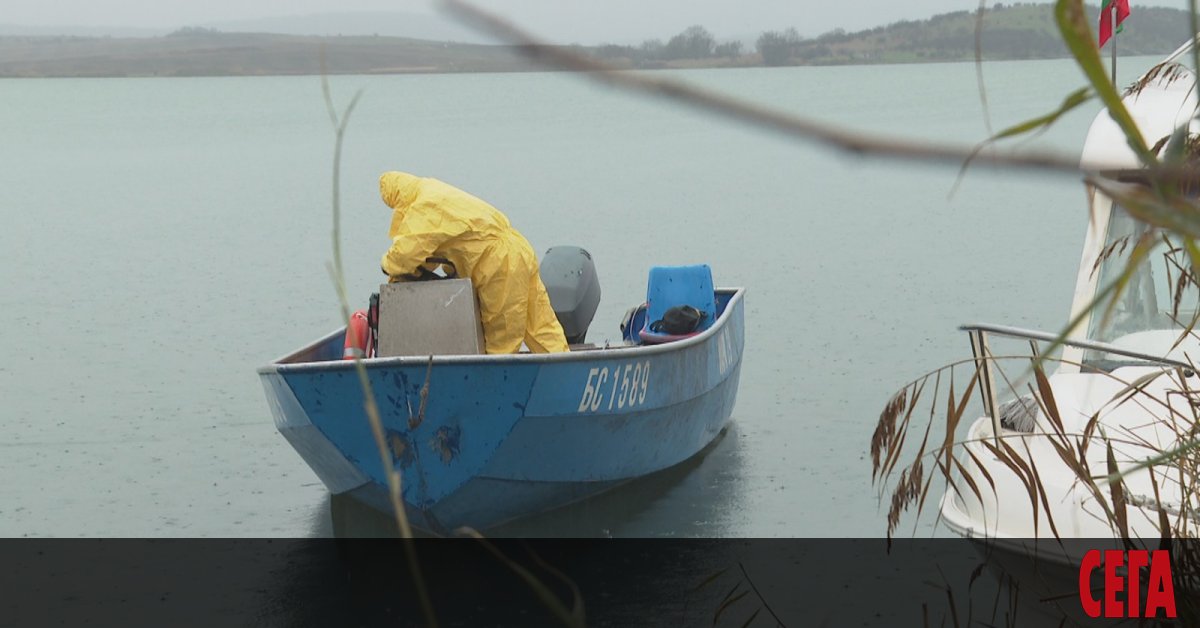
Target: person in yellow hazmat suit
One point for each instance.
(434, 219)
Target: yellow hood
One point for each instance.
(399, 189)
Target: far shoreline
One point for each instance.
(533, 69)
(1016, 32)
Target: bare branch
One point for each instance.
(787, 123)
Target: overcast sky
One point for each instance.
(582, 21)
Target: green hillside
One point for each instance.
(1010, 31)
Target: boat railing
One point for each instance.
(984, 358)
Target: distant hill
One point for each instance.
(1012, 31)
(434, 27)
(200, 52)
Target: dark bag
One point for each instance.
(679, 320)
(433, 269)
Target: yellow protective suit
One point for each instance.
(434, 219)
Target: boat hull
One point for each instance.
(496, 438)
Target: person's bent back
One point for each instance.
(434, 219)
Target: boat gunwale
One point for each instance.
(1087, 345)
(277, 366)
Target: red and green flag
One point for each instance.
(1106, 18)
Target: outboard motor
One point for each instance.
(570, 278)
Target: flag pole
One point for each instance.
(1113, 8)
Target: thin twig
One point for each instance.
(414, 423)
(787, 123)
(759, 595)
(983, 99)
(369, 404)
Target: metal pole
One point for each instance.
(987, 387)
(1113, 42)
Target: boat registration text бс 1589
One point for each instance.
(629, 383)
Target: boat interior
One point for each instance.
(670, 289)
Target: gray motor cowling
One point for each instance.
(574, 288)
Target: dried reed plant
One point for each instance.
(338, 276)
(572, 615)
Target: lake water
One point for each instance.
(165, 237)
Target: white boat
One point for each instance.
(1125, 379)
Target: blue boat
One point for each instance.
(507, 436)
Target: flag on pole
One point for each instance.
(1106, 25)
